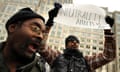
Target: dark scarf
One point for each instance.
(73, 52)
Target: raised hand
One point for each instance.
(53, 13)
(109, 20)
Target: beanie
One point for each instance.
(23, 15)
(71, 38)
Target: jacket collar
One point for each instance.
(73, 52)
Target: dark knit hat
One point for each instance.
(71, 38)
(23, 15)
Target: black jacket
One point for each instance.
(71, 61)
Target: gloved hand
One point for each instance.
(109, 20)
(53, 13)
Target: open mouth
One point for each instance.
(33, 47)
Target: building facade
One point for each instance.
(91, 40)
(116, 30)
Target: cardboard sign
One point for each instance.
(87, 16)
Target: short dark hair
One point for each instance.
(71, 38)
(23, 15)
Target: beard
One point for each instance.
(19, 52)
(19, 48)
(24, 59)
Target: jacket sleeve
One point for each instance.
(45, 51)
(108, 54)
(48, 53)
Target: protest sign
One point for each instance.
(86, 16)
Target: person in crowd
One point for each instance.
(58, 61)
(62, 62)
(26, 31)
(72, 59)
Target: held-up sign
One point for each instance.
(86, 16)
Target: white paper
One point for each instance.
(86, 16)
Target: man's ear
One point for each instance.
(11, 28)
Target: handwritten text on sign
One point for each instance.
(88, 16)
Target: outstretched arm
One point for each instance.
(108, 54)
(45, 51)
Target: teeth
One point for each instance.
(32, 48)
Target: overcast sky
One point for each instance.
(111, 4)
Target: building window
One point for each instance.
(117, 18)
(56, 41)
(93, 53)
(88, 40)
(3, 21)
(87, 46)
(101, 42)
(59, 28)
(119, 54)
(62, 48)
(87, 52)
(94, 41)
(94, 47)
(101, 49)
(2, 9)
(50, 40)
(30, 1)
(81, 45)
(101, 36)
(10, 9)
(52, 33)
(55, 47)
(71, 1)
(2, 37)
(58, 33)
(36, 2)
(50, 46)
(82, 40)
(0, 15)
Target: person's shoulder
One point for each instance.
(2, 44)
(61, 58)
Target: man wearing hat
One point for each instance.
(25, 35)
(72, 59)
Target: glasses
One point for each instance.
(73, 40)
(36, 29)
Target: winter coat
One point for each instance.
(71, 61)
